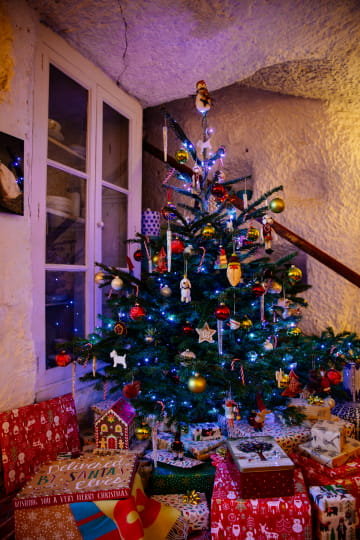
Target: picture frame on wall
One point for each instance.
(11, 174)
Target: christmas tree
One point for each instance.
(211, 325)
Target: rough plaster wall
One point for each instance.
(18, 362)
(309, 147)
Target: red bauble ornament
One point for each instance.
(63, 359)
(222, 312)
(258, 289)
(131, 390)
(136, 312)
(188, 329)
(219, 191)
(334, 376)
(138, 255)
(177, 246)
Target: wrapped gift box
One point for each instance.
(334, 512)
(332, 473)
(265, 469)
(331, 458)
(196, 515)
(288, 437)
(199, 449)
(312, 411)
(166, 479)
(350, 412)
(235, 518)
(329, 435)
(207, 431)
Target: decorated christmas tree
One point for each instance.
(210, 327)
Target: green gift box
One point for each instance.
(167, 479)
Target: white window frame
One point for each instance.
(54, 50)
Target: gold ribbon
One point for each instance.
(191, 497)
(315, 400)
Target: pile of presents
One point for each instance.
(281, 483)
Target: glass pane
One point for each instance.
(67, 120)
(114, 232)
(115, 147)
(65, 205)
(65, 310)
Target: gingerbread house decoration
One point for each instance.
(114, 427)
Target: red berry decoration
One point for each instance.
(138, 255)
(63, 359)
(258, 289)
(137, 312)
(131, 390)
(177, 246)
(222, 312)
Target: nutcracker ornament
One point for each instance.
(177, 446)
(267, 233)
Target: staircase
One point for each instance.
(282, 231)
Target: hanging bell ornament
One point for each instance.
(137, 312)
(117, 283)
(294, 274)
(99, 278)
(222, 312)
(233, 272)
(277, 205)
(197, 384)
(208, 231)
(182, 156)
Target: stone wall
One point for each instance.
(311, 147)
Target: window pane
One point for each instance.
(67, 120)
(65, 310)
(114, 232)
(65, 205)
(115, 147)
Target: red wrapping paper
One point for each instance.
(283, 518)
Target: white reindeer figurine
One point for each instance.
(118, 359)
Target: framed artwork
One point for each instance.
(11, 174)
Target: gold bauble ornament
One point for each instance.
(117, 283)
(143, 432)
(165, 291)
(208, 231)
(246, 323)
(294, 274)
(99, 278)
(197, 384)
(155, 259)
(277, 205)
(182, 155)
(253, 234)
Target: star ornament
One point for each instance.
(206, 333)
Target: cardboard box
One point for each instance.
(265, 469)
(91, 478)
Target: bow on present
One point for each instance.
(315, 400)
(191, 497)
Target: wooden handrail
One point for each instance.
(282, 231)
